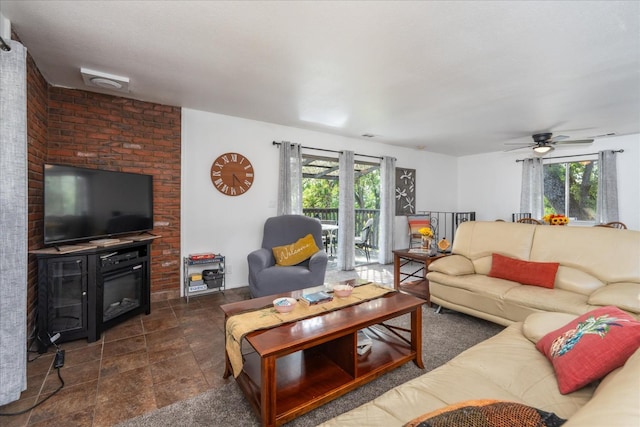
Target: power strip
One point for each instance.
(59, 360)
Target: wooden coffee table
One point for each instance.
(296, 367)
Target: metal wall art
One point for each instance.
(405, 191)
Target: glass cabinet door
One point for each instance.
(67, 294)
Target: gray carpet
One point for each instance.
(444, 336)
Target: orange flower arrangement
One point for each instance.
(556, 219)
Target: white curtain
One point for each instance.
(346, 212)
(607, 200)
(13, 222)
(532, 194)
(387, 210)
(290, 179)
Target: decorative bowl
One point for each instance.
(284, 305)
(342, 291)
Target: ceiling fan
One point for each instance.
(544, 143)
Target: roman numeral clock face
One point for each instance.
(232, 174)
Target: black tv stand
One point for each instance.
(82, 293)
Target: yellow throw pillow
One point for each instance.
(296, 252)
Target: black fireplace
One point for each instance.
(120, 290)
(83, 293)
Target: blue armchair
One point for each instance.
(265, 278)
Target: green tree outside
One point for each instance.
(582, 185)
(318, 193)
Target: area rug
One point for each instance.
(444, 336)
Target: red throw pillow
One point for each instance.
(525, 272)
(591, 346)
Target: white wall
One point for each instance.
(233, 226)
(490, 183)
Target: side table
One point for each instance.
(401, 280)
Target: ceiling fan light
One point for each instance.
(543, 149)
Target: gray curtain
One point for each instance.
(13, 222)
(290, 180)
(532, 194)
(346, 212)
(387, 209)
(607, 200)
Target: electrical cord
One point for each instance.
(58, 362)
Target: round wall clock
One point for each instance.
(232, 174)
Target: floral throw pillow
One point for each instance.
(589, 347)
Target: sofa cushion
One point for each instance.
(454, 265)
(543, 299)
(623, 295)
(526, 272)
(487, 413)
(296, 252)
(606, 253)
(590, 346)
(578, 281)
(538, 325)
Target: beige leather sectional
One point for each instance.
(598, 267)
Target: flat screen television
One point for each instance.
(83, 204)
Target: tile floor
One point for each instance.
(145, 363)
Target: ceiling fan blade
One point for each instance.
(559, 138)
(517, 148)
(527, 144)
(576, 141)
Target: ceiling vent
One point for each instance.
(104, 80)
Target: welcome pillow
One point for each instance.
(296, 252)
(526, 272)
(590, 346)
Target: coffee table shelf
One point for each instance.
(298, 366)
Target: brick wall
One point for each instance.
(119, 134)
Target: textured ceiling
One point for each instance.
(454, 77)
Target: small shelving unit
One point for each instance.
(214, 282)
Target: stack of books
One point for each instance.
(196, 283)
(316, 298)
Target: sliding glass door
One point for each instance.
(320, 199)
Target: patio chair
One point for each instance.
(362, 241)
(614, 224)
(529, 221)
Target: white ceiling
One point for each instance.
(451, 77)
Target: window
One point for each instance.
(320, 183)
(571, 189)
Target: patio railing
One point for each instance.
(362, 215)
(445, 224)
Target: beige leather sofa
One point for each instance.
(508, 367)
(598, 266)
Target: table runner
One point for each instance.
(240, 325)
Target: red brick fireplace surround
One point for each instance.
(80, 128)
